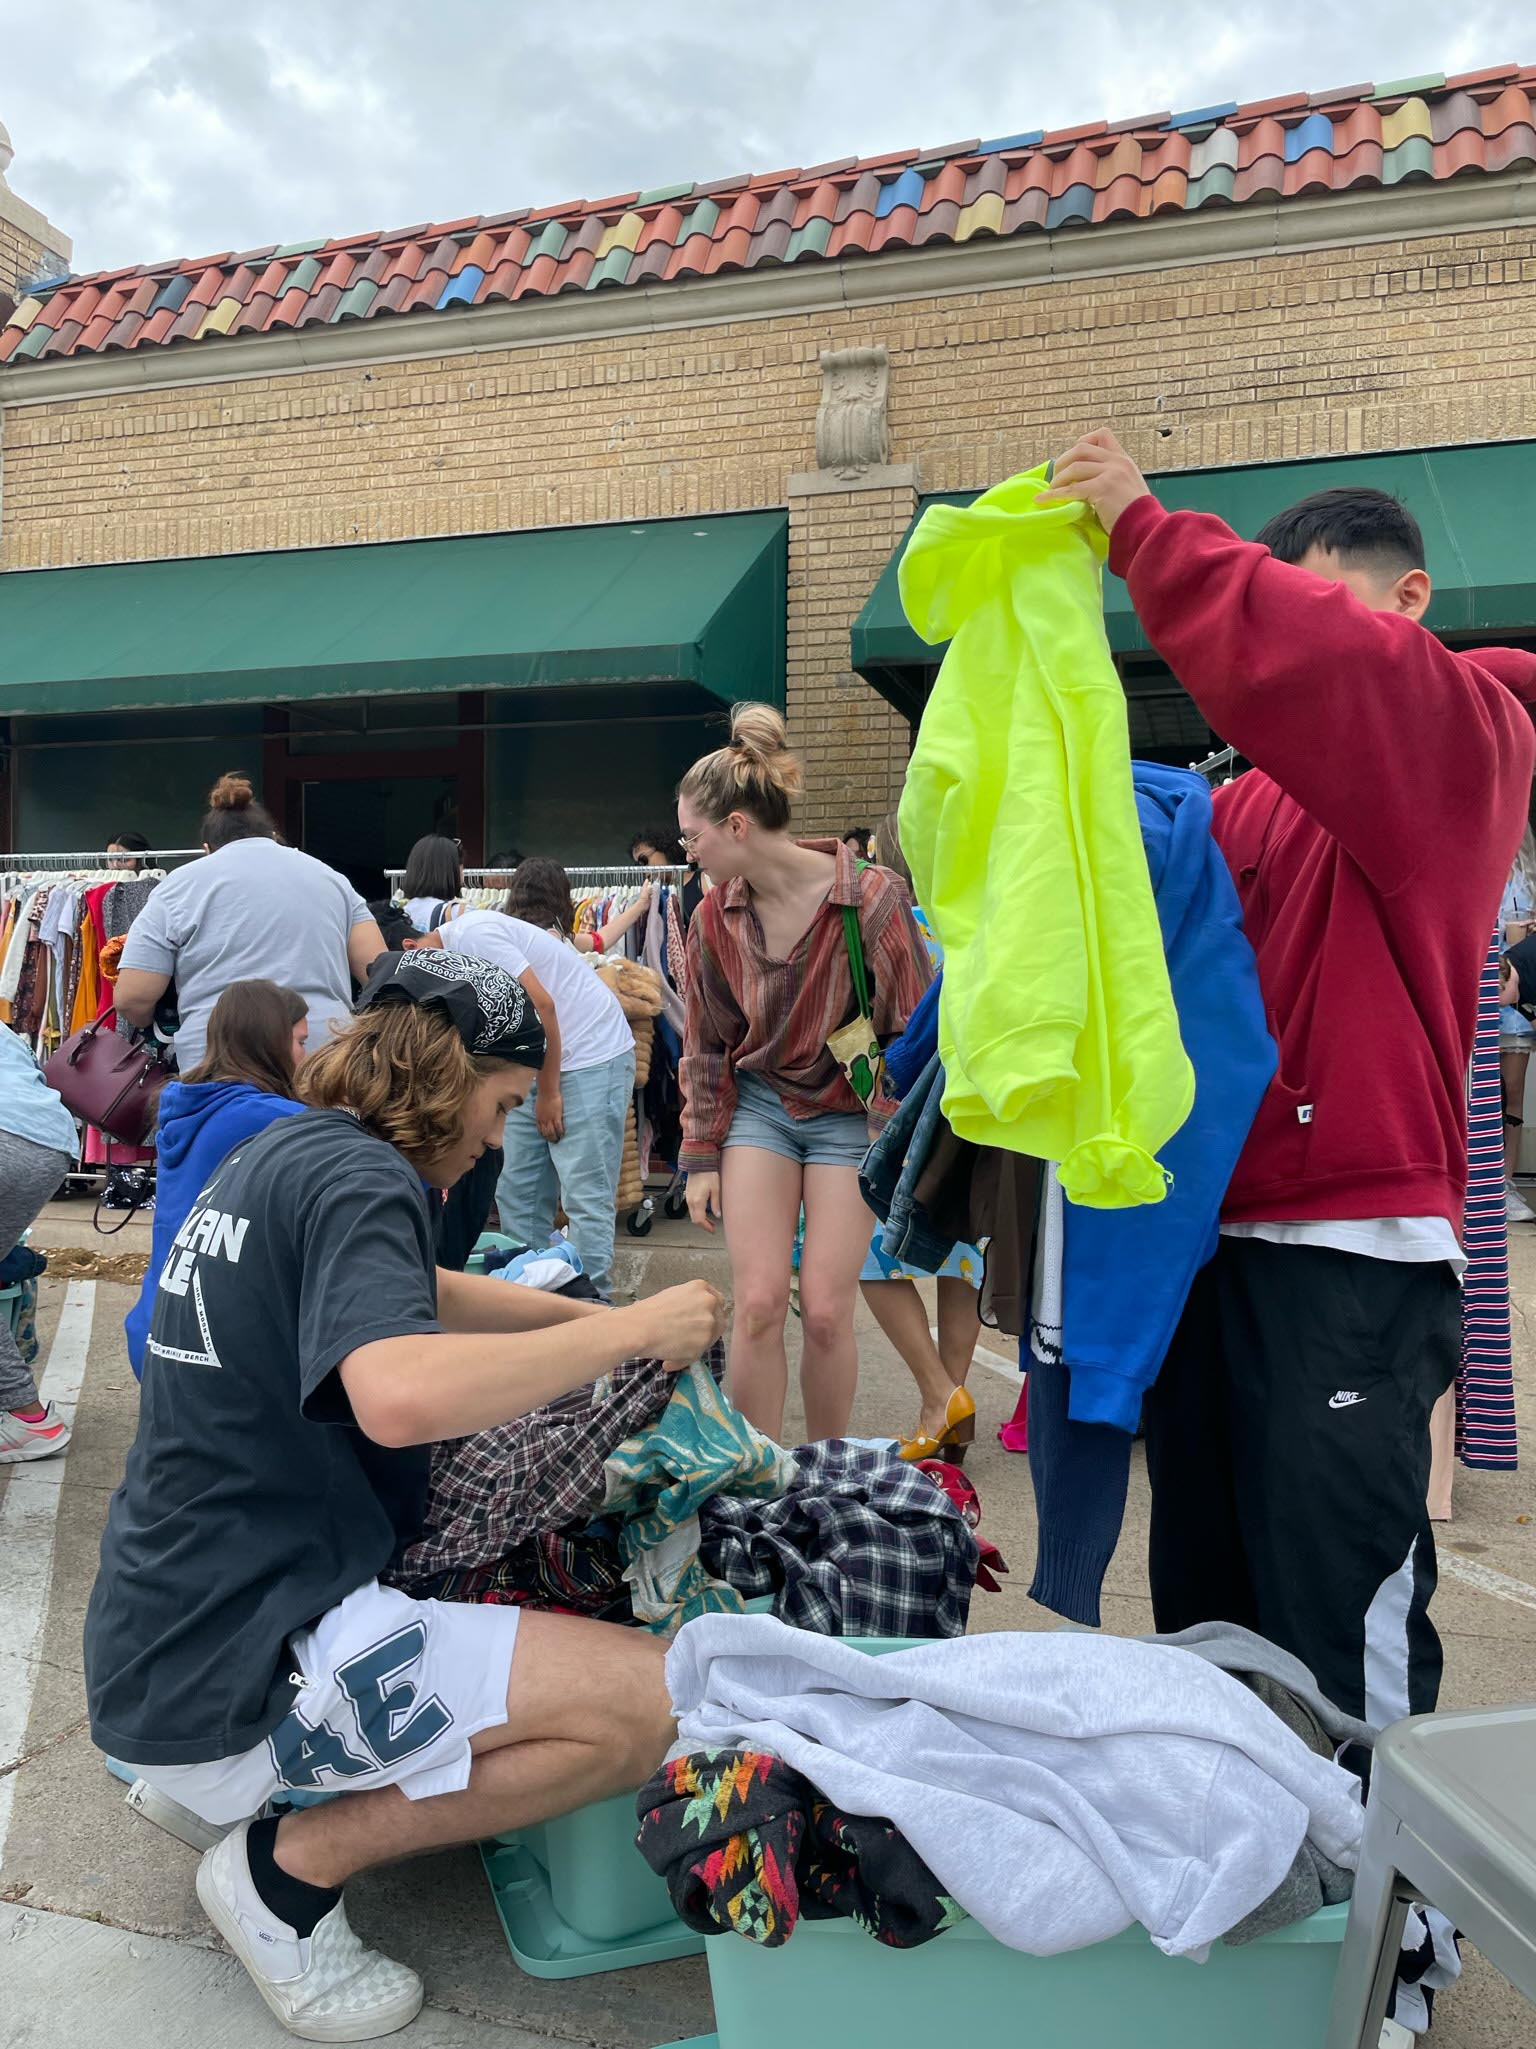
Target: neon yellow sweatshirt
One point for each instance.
(1056, 1022)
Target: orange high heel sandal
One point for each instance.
(958, 1434)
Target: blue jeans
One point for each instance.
(580, 1171)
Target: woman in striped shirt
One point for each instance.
(770, 1121)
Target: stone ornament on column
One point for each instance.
(852, 431)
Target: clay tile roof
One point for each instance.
(1293, 145)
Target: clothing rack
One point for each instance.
(1222, 758)
(397, 875)
(618, 874)
(615, 874)
(98, 857)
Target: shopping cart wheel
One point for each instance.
(675, 1203)
(639, 1221)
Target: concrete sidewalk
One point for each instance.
(70, 1982)
(73, 1856)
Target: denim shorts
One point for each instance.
(832, 1139)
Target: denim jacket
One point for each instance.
(888, 1178)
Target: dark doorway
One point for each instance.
(369, 823)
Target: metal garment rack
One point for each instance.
(617, 874)
(1222, 758)
(98, 857)
(622, 873)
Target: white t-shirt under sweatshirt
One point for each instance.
(593, 1027)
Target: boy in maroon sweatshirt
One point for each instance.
(1288, 1433)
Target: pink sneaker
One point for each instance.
(41, 1438)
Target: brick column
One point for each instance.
(855, 747)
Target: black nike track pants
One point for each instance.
(1288, 1450)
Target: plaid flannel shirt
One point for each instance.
(864, 1544)
(543, 1471)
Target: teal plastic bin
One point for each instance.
(839, 1986)
(576, 1897)
(599, 1884)
(488, 1241)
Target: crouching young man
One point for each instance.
(303, 1354)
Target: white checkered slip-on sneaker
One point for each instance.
(324, 1987)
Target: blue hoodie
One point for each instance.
(1126, 1273)
(199, 1124)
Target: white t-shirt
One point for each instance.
(1414, 1240)
(419, 910)
(593, 1027)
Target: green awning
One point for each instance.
(682, 600)
(1476, 505)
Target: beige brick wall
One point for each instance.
(1318, 353)
(854, 746)
(20, 254)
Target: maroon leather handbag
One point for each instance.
(112, 1082)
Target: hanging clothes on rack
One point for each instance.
(63, 918)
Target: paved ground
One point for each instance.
(71, 1855)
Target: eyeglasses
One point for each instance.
(688, 841)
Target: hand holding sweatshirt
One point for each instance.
(1056, 1023)
(1370, 845)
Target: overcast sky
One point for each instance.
(146, 132)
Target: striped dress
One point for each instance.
(1485, 1386)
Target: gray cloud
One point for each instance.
(146, 133)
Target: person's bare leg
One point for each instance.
(1512, 1072)
(902, 1314)
(587, 1717)
(959, 1326)
(760, 1194)
(837, 1231)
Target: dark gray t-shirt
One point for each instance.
(252, 1503)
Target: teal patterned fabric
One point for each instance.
(658, 1480)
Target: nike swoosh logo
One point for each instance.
(1345, 1401)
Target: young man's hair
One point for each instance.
(403, 1072)
(1364, 529)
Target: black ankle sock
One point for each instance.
(300, 1905)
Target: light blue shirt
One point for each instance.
(28, 1107)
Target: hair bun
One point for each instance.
(231, 793)
(759, 730)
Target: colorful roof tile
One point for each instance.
(1292, 146)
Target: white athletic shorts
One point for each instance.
(393, 1689)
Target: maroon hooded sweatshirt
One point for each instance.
(1370, 845)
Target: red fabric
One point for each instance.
(990, 1562)
(92, 901)
(99, 1150)
(1370, 868)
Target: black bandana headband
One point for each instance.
(488, 1008)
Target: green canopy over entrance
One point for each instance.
(664, 601)
(1476, 505)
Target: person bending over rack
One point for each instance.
(303, 1354)
(565, 1145)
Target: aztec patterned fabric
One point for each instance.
(747, 1846)
(1294, 146)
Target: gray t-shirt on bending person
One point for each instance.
(252, 909)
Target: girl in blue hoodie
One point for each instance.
(256, 1038)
